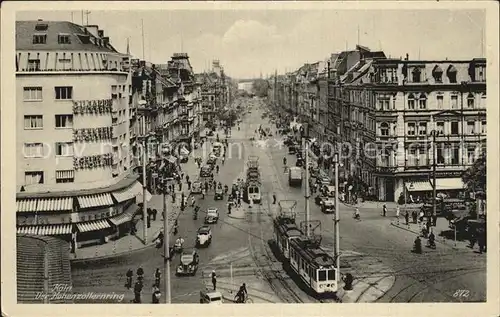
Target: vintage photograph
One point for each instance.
(251, 156)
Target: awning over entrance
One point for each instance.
(121, 219)
(27, 230)
(98, 200)
(52, 230)
(55, 204)
(128, 193)
(441, 184)
(93, 225)
(139, 198)
(26, 205)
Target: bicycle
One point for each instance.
(246, 300)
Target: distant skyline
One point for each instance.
(251, 42)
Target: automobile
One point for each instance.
(314, 171)
(299, 163)
(212, 215)
(203, 237)
(188, 263)
(328, 190)
(322, 179)
(212, 160)
(292, 149)
(219, 193)
(210, 297)
(196, 187)
(320, 199)
(206, 171)
(328, 206)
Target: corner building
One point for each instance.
(72, 104)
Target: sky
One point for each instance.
(253, 42)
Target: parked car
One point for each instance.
(212, 215)
(188, 263)
(206, 171)
(196, 187)
(219, 193)
(204, 237)
(328, 205)
(210, 297)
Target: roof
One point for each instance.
(204, 229)
(80, 38)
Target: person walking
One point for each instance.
(214, 279)
(384, 210)
(217, 169)
(137, 292)
(189, 185)
(157, 277)
(407, 217)
(155, 296)
(274, 198)
(414, 216)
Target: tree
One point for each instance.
(260, 87)
(475, 176)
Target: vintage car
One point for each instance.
(320, 199)
(212, 160)
(219, 193)
(328, 190)
(299, 163)
(328, 206)
(206, 171)
(210, 297)
(323, 179)
(188, 263)
(292, 149)
(203, 237)
(196, 187)
(212, 215)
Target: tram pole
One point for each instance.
(337, 217)
(307, 189)
(166, 245)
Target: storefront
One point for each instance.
(421, 189)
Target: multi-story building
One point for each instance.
(73, 168)
(215, 92)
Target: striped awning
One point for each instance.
(139, 198)
(419, 186)
(27, 230)
(52, 230)
(55, 204)
(93, 225)
(26, 205)
(441, 184)
(121, 218)
(128, 193)
(95, 200)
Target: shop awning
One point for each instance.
(26, 205)
(93, 225)
(52, 230)
(27, 230)
(55, 204)
(449, 183)
(139, 198)
(128, 193)
(121, 218)
(419, 186)
(95, 200)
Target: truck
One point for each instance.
(295, 176)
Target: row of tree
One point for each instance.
(260, 87)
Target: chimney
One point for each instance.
(100, 33)
(407, 57)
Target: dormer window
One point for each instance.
(452, 74)
(437, 73)
(40, 39)
(41, 27)
(63, 39)
(416, 75)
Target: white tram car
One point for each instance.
(284, 231)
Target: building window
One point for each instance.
(454, 102)
(437, 73)
(32, 94)
(33, 150)
(440, 156)
(422, 102)
(31, 178)
(412, 157)
(481, 73)
(454, 128)
(384, 102)
(483, 100)
(411, 102)
(33, 122)
(470, 101)
(64, 93)
(64, 120)
(411, 128)
(64, 148)
(33, 65)
(439, 101)
(422, 128)
(416, 75)
(384, 129)
(455, 155)
(440, 128)
(40, 39)
(483, 127)
(470, 127)
(471, 155)
(65, 176)
(452, 74)
(63, 39)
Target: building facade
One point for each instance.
(73, 167)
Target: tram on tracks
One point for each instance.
(303, 254)
(253, 185)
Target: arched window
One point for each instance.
(452, 74)
(384, 129)
(437, 73)
(422, 101)
(411, 102)
(470, 101)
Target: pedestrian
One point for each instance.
(421, 216)
(187, 179)
(173, 197)
(223, 158)
(129, 275)
(137, 292)
(217, 169)
(155, 213)
(434, 220)
(397, 214)
(180, 185)
(149, 221)
(189, 185)
(155, 296)
(481, 241)
(214, 279)
(182, 200)
(140, 274)
(384, 210)
(206, 185)
(229, 207)
(472, 238)
(274, 198)
(203, 194)
(407, 217)
(157, 277)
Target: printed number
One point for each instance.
(461, 293)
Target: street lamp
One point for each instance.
(434, 164)
(336, 219)
(167, 177)
(145, 139)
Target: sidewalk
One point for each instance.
(131, 243)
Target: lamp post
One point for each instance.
(434, 164)
(337, 216)
(145, 139)
(166, 179)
